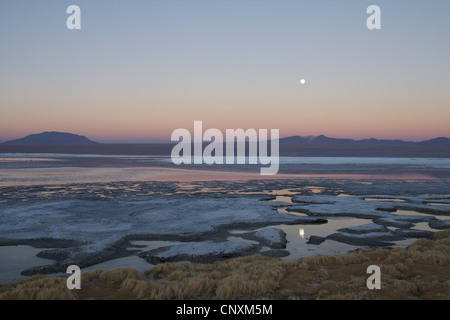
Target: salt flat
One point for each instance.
(91, 223)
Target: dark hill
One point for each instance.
(52, 138)
(441, 141)
(323, 140)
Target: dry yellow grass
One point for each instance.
(38, 287)
(421, 271)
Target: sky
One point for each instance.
(137, 70)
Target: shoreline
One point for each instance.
(286, 149)
(57, 169)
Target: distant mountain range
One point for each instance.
(63, 138)
(52, 138)
(324, 140)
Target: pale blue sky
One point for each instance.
(139, 69)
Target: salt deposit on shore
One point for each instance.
(88, 224)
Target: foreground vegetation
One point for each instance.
(421, 271)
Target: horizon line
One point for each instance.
(167, 141)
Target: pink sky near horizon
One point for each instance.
(345, 110)
(138, 130)
(137, 70)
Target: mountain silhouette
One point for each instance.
(52, 137)
(64, 138)
(324, 140)
(441, 141)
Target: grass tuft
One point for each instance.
(420, 271)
